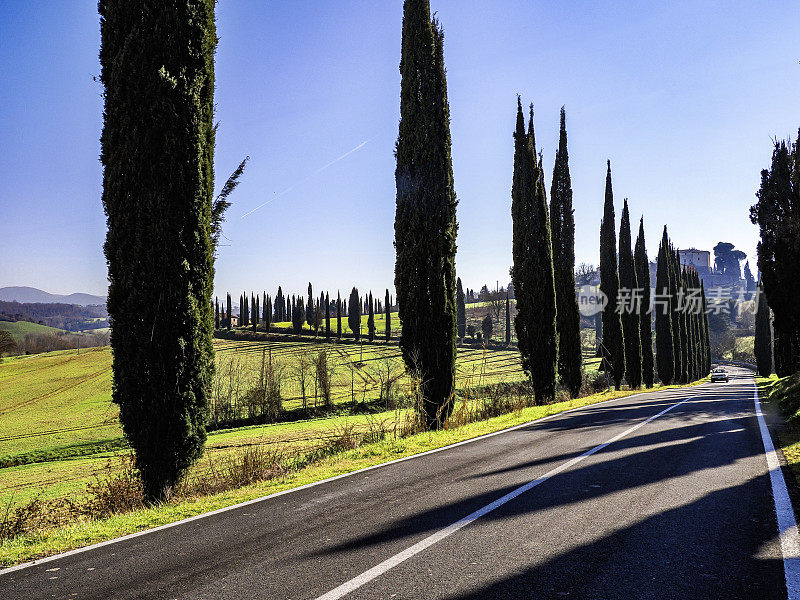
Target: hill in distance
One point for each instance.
(29, 295)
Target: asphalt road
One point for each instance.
(677, 505)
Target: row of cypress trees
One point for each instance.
(257, 310)
(777, 213)
(683, 346)
(532, 272)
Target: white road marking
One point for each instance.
(787, 525)
(232, 507)
(393, 561)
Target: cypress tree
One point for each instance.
(371, 319)
(562, 228)
(157, 152)
(228, 313)
(763, 341)
(388, 317)
(338, 314)
(532, 273)
(216, 313)
(425, 219)
(508, 320)
(461, 310)
(777, 212)
(631, 331)
(665, 351)
(683, 339)
(327, 316)
(645, 319)
(310, 307)
(613, 345)
(675, 315)
(354, 314)
(254, 310)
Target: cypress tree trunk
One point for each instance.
(665, 351)
(387, 302)
(157, 62)
(562, 229)
(425, 219)
(630, 318)
(645, 319)
(613, 345)
(763, 340)
(532, 273)
(461, 310)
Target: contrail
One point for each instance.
(314, 174)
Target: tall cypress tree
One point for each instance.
(613, 345)
(327, 316)
(228, 313)
(310, 307)
(683, 333)
(675, 315)
(508, 319)
(665, 351)
(532, 273)
(461, 310)
(645, 319)
(388, 316)
(425, 220)
(630, 315)
(763, 340)
(157, 152)
(562, 228)
(777, 212)
(354, 314)
(338, 314)
(216, 313)
(371, 319)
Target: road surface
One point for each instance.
(659, 495)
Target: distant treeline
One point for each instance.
(71, 317)
(36, 343)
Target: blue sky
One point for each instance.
(683, 97)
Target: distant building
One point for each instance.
(699, 259)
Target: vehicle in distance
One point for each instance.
(719, 375)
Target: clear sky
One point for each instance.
(682, 96)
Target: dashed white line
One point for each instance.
(393, 561)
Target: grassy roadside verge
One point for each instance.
(784, 393)
(85, 532)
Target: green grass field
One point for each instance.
(57, 418)
(19, 329)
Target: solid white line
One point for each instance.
(787, 525)
(395, 560)
(129, 536)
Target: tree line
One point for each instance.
(262, 311)
(157, 69)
